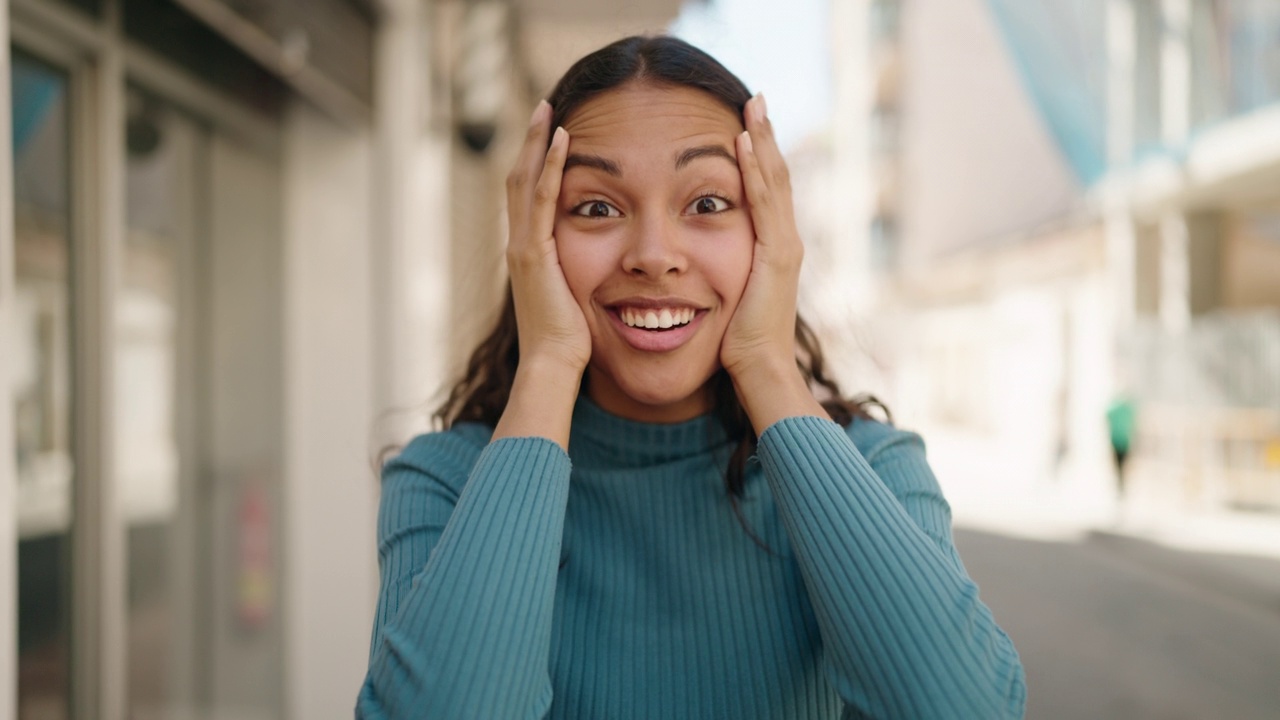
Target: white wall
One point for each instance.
(978, 160)
(412, 215)
(330, 491)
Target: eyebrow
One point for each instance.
(592, 161)
(612, 168)
(702, 151)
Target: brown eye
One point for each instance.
(708, 204)
(597, 209)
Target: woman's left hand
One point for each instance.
(758, 349)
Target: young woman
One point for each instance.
(639, 507)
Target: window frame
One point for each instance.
(101, 64)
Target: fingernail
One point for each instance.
(560, 134)
(764, 107)
(537, 113)
(746, 141)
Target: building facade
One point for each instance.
(1081, 203)
(245, 244)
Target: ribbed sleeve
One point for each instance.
(904, 634)
(468, 585)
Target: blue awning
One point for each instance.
(1060, 52)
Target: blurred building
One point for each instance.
(1059, 203)
(245, 243)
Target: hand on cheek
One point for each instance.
(555, 343)
(758, 349)
(551, 324)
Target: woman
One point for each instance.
(567, 547)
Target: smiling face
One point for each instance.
(656, 244)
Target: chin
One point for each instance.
(654, 397)
(658, 398)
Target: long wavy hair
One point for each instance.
(481, 394)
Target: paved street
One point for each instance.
(1117, 627)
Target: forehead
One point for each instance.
(650, 115)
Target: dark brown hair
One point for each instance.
(481, 395)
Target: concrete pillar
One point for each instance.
(330, 491)
(1117, 219)
(1175, 72)
(1175, 305)
(1122, 268)
(851, 114)
(1144, 92)
(411, 232)
(1121, 70)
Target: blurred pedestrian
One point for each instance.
(639, 507)
(1120, 421)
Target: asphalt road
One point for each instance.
(1114, 627)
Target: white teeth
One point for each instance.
(663, 318)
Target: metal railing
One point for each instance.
(1208, 423)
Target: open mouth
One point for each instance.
(656, 319)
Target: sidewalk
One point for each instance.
(991, 488)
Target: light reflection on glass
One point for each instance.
(41, 384)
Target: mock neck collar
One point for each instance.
(599, 439)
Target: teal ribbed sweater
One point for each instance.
(616, 582)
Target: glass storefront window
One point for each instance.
(161, 162)
(193, 404)
(193, 371)
(41, 384)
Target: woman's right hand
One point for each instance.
(555, 343)
(552, 328)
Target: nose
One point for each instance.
(654, 248)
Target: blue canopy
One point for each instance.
(1060, 52)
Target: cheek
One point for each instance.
(582, 262)
(730, 266)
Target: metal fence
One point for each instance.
(1221, 360)
(1208, 428)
